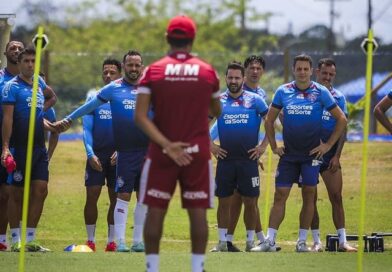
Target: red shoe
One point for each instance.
(91, 245)
(112, 246)
(3, 247)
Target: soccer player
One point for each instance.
(238, 154)
(380, 110)
(183, 90)
(130, 143)
(17, 95)
(254, 70)
(12, 50)
(101, 159)
(303, 102)
(330, 168)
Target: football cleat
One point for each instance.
(122, 247)
(3, 246)
(249, 245)
(301, 246)
(34, 246)
(345, 247)
(220, 247)
(138, 247)
(112, 246)
(232, 248)
(317, 247)
(91, 245)
(266, 246)
(15, 247)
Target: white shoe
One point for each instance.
(220, 247)
(265, 246)
(345, 247)
(249, 245)
(317, 247)
(301, 246)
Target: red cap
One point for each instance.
(184, 24)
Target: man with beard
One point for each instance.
(130, 144)
(330, 169)
(254, 68)
(12, 50)
(238, 154)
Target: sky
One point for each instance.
(351, 20)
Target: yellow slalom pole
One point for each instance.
(366, 121)
(27, 180)
(268, 189)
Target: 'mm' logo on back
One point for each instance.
(182, 69)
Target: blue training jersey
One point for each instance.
(102, 129)
(328, 122)
(239, 123)
(5, 76)
(214, 134)
(18, 92)
(50, 115)
(302, 115)
(122, 98)
(390, 94)
(260, 91)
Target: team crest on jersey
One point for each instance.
(247, 103)
(311, 97)
(235, 104)
(119, 182)
(18, 176)
(6, 91)
(300, 96)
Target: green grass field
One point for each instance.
(62, 224)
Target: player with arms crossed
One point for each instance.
(183, 91)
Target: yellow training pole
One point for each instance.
(268, 189)
(26, 193)
(369, 67)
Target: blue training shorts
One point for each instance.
(291, 168)
(94, 177)
(128, 171)
(240, 175)
(39, 165)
